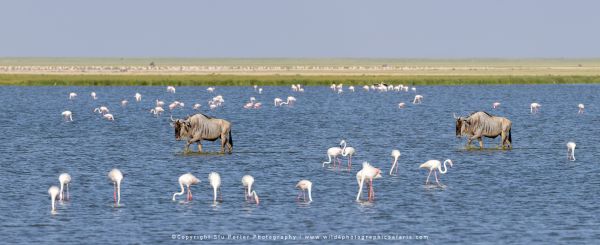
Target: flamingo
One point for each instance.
(257, 105)
(249, 105)
(333, 153)
(72, 95)
(215, 182)
(64, 179)
(67, 115)
(170, 89)
(534, 107)
(418, 99)
(277, 101)
(351, 88)
(157, 110)
(401, 105)
(247, 182)
(571, 151)
(294, 88)
(495, 105)
(395, 154)
(160, 103)
(260, 90)
(290, 101)
(433, 166)
(367, 172)
(255, 87)
(581, 107)
(414, 89)
(210, 89)
(116, 177)
(138, 97)
(102, 110)
(366, 88)
(124, 103)
(172, 106)
(349, 152)
(197, 106)
(93, 94)
(53, 192)
(109, 117)
(187, 179)
(304, 186)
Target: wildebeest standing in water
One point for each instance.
(480, 124)
(201, 127)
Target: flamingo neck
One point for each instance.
(118, 192)
(310, 194)
(179, 193)
(214, 193)
(360, 187)
(344, 153)
(445, 169)
(60, 196)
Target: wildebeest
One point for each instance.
(480, 124)
(202, 127)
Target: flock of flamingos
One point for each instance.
(367, 174)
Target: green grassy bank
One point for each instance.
(275, 80)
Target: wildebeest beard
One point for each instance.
(181, 130)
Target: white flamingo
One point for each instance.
(65, 180)
(304, 186)
(108, 117)
(401, 105)
(534, 107)
(247, 182)
(67, 115)
(435, 166)
(72, 95)
(124, 103)
(138, 97)
(116, 177)
(368, 172)
(210, 89)
(332, 154)
(395, 154)
(290, 101)
(157, 111)
(366, 88)
(215, 182)
(187, 179)
(277, 101)
(197, 106)
(53, 192)
(418, 99)
(581, 107)
(170, 89)
(160, 103)
(351, 88)
(495, 105)
(102, 110)
(348, 152)
(260, 90)
(571, 151)
(93, 94)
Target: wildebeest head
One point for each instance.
(181, 128)
(461, 126)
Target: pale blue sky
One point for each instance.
(308, 28)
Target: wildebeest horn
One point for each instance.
(454, 115)
(173, 120)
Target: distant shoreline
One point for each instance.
(282, 71)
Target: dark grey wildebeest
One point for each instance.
(202, 127)
(480, 124)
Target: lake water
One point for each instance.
(530, 194)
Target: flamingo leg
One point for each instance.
(299, 195)
(220, 195)
(68, 196)
(349, 162)
(115, 193)
(427, 181)
(304, 196)
(436, 178)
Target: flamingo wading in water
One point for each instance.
(116, 177)
(571, 151)
(67, 115)
(64, 179)
(187, 179)
(332, 154)
(53, 192)
(247, 182)
(534, 107)
(433, 166)
(215, 182)
(304, 186)
(581, 107)
(348, 152)
(367, 172)
(395, 154)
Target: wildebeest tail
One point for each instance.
(509, 136)
(230, 139)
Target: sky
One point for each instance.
(301, 28)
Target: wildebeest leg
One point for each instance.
(480, 142)
(223, 140)
(199, 146)
(191, 141)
